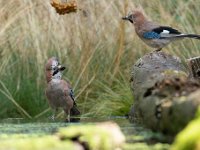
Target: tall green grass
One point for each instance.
(96, 46)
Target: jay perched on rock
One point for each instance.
(152, 34)
(59, 92)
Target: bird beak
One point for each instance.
(61, 68)
(127, 18)
(58, 68)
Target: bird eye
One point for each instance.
(132, 16)
(53, 67)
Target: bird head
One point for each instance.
(134, 17)
(53, 69)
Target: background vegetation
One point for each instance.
(97, 47)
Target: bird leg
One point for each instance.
(68, 116)
(54, 114)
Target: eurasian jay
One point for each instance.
(152, 34)
(59, 92)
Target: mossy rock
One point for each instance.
(19, 142)
(189, 138)
(165, 98)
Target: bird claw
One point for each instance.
(157, 50)
(67, 119)
(52, 118)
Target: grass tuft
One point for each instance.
(96, 46)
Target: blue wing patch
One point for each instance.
(72, 94)
(151, 35)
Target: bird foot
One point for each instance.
(67, 119)
(157, 50)
(52, 118)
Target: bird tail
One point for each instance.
(194, 36)
(74, 111)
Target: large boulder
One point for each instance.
(165, 98)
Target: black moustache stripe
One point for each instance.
(55, 72)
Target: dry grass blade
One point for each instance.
(9, 96)
(86, 65)
(120, 51)
(85, 87)
(42, 113)
(11, 21)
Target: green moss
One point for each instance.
(96, 137)
(175, 73)
(38, 136)
(198, 113)
(188, 138)
(144, 146)
(19, 142)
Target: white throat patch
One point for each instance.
(58, 75)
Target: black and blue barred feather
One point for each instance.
(171, 30)
(151, 35)
(156, 33)
(72, 94)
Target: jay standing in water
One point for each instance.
(59, 92)
(154, 35)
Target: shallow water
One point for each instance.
(137, 137)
